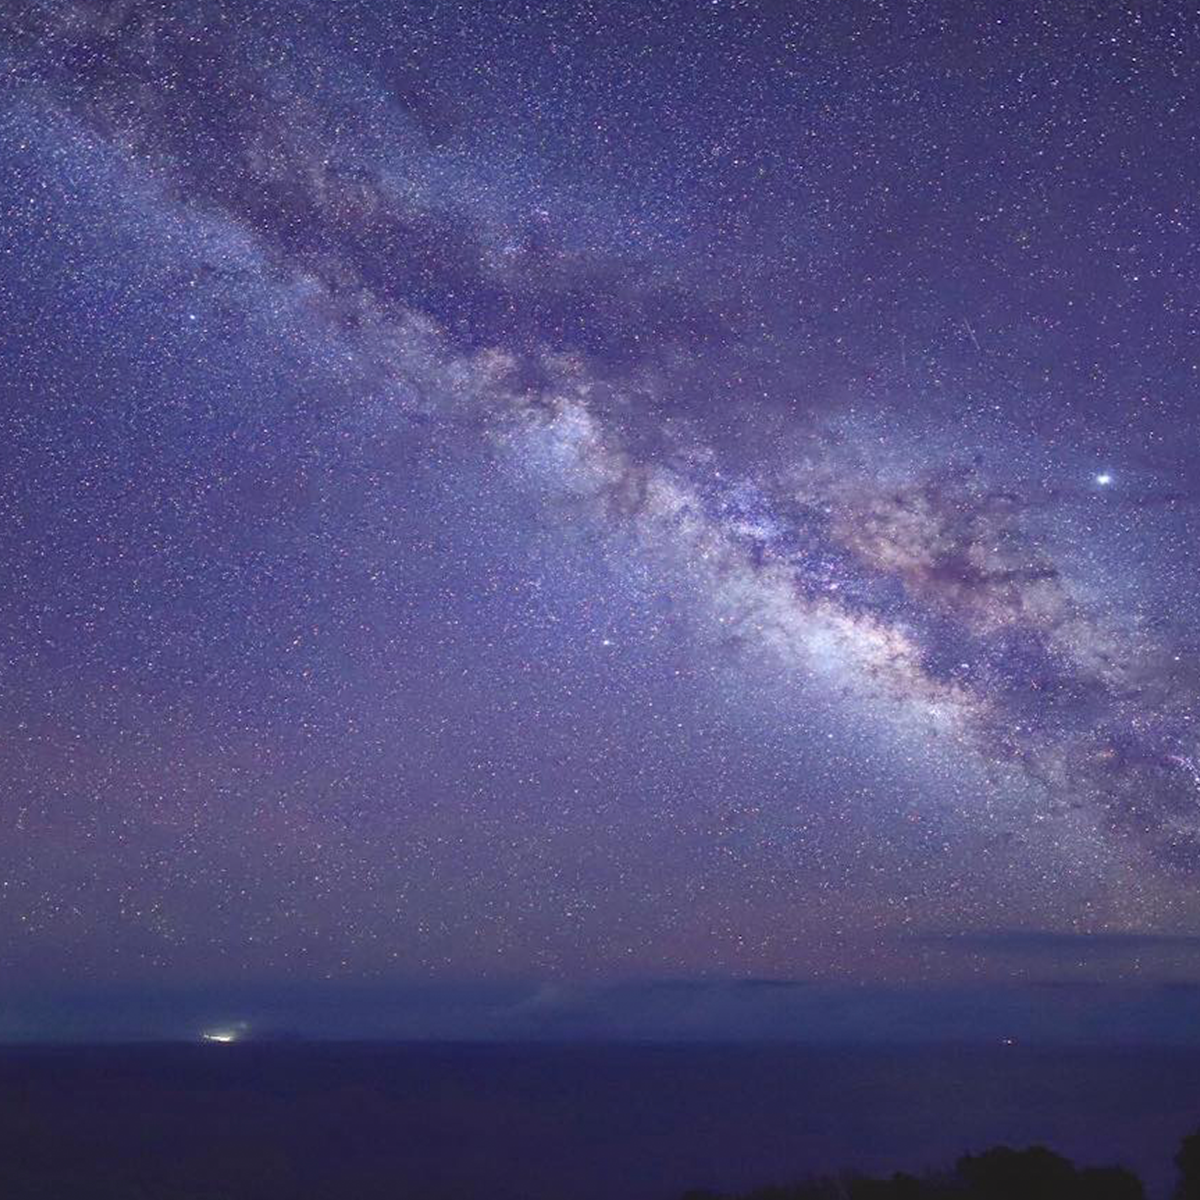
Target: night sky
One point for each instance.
(656, 510)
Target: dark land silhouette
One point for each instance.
(304, 1121)
(1001, 1173)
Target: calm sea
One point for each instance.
(590, 1122)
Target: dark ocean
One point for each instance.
(590, 1122)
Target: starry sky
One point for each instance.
(661, 509)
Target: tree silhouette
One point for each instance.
(899, 1187)
(1005, 1174)
(1188, 1162)
(1108, 1183)
(1001, 1173)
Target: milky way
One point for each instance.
(504, 492)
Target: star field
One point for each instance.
(499, 491)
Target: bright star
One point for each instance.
(1104, 479)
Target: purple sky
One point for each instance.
(574, 501)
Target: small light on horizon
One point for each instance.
(223, 1036)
